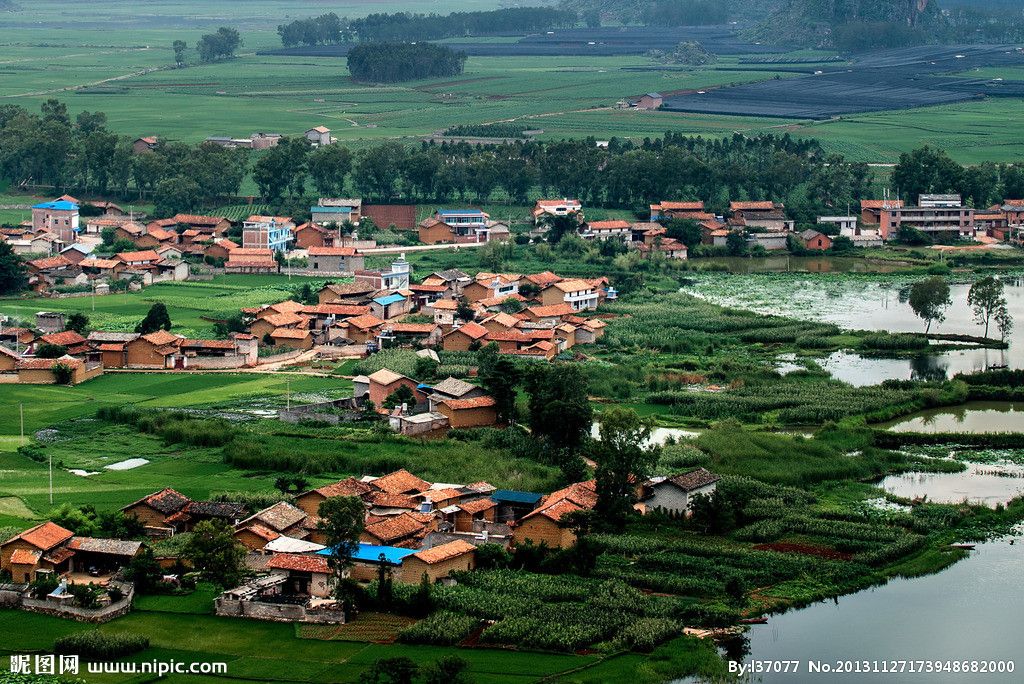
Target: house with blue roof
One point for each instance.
(514, 504)
(59, 217)
(390, 305)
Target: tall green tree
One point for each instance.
(624, 458)
(329, 166)
(13, 274)
(500, 376)
(179, 47)
(215, 553)
(156, 318)
(986, 298)
(928, 299)
(341, 522)
(78, 322)
(560, 410)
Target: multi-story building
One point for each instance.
(268, 232)
(59, 217)
(940, 216)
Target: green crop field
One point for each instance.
(192, 305)
(121, 62)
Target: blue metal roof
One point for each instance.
(59, 205)
(513, 496)
(372, 552)
(330, 210)
(389, 299)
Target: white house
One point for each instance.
(674, 494)
(321, 135)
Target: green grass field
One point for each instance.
(120, 62)
(192, 305)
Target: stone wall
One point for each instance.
(276, 612)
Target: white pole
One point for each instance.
(288, 395)
(21, 411)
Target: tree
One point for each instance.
(560, 410)
(328, 167)
(13, 275)
(179, 47)
(986, 298)
(556, 227)
(929, 299)
(399, 670)
(926, 170)
(50, 351)
(842, 244)
(215, 553)
(736, 244)
(623, 459)
(178, 195)
(464, 311)
(341, 523)
(402, 395)
(156, 319)
(63, 374)
(145, 571)
(449, 669)
(500, 376)
(1004, 322)
(224, 43)
(686, 231)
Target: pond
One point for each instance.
(858, 303)
(860, 371)
(972, 417)
(986, 485)
(784, 263)
(659, 435)
(969, 611)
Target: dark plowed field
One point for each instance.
(884, 80)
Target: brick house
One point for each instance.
(151, 350)
(39, 548)
(309, 502)
(335, 260)
(438, 562)
(667, 211)
(579, 294)
(467, 413)
(268, 232)
(465, 336)
(59, 217)
(363, 329)
(154, 510)
(545, 523)
(384, 382)
(813, 240)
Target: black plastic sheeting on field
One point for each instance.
(600, 42)
(884, 80)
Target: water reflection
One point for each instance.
(972, 417)
(986, 485)
(861, 371)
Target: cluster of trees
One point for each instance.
(395, 62)
(326, 29)
(930, 298)
(929, 170)
(690, 53)
(85, 156)
(402, 26)
(222, 44)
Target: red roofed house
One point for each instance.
(579, 294)
(363, 329)
(250, 260)
(770, 216)
(69, 339)
(145, 144)
(34, 550)
(310, 501)
(314, 235)
(307, 575)
(555, 207)
(32, 371)
(384, 382)
(871, 210)
(154, 350)
(154, 510)
(602, 230)
(335, 260)
(438, 562)
(666, 211)
(463, 337)
(466, 413)
(545, 523)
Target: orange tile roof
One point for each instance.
(425, 328)
(198, 220)
(471, 329)
(262, 532)
(437, 554)
(441, 495)
(143, 255)
(679, 206)
(751, 206)
(881, 204)
(608, 225)
(395, 528)
(50, 262)
(45, 536)
(445, 305)
(347, 487)
(400, 482)
(297, 563)
(283, 319)
(25, 557)
(291, 333)
(67, 338)
(576, 285)
(544, 278)
(562, 309)
(160, 337)
(332, 251)
(365, 322)
(478, 505)
(465, 404)
(386, 500)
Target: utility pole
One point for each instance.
(288, 395)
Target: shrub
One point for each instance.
(96, 645)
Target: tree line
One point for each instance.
(404, 26)
(395, 62)
(928, 170)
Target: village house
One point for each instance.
(282, 518)
(73, 343)
(307, 575)
(397, 278)
(41, 243)
(154, 509)
(36, 371)
(268, 323)
(268, 232)
(310, 235)
(439, 562)
(109, 348)
(363, 329)
(206, 226)
(555, 207)
(871, 209)
(220, 250)
(129, 230)
(668, 211)
(320, 135)
(398, 334)
(486, 286)
(196, 512)
(309, 502)
(443, 311)
(335, 260)
(765, 216)
(840, 224)
(545, 523)
(471, 513)
(403, 530)
(250, 260)
(942, 217)
(465, 222)
(345, 209)
(384, 382)
(398, 482)
(327, 316)
(293, 338)
(145, 144)
(453, 280)
(674, 494)
(668, 247)
(579, 294)
(390, 305)
(59, 217)
(648, 101)
(156, 237)
(813, 240)
(355, 293)
(468, 413)
(603, 230)
(49, 549)
(466, 337)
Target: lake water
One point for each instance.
(860, 371)
(783, 263)
(973, 417)
(986, 485)
(857, 303)
(659, 435)
(972, 610)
